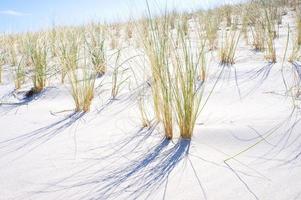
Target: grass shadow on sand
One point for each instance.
(297, 67)
(258, 76)
(135, 170)
(27, 142)
(20, 99)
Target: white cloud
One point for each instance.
(13, 13)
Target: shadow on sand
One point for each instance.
(19, 99)
(138, 170)
(27, 142)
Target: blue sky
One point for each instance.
(28, 15)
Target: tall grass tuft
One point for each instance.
(270, 33)
(143, 113)
(96, 48)
(258, 35)
(257, 26)
(15, 62)
(228, 46)
(82, 82)
(211, 28)
(245, 25)
(175, 66)
(2, 62)
(298, 25)
(68, 52)
(227, 12)
(37, 51)
(116, 76)
(52, 36)
(187, 90)
(296, 47)
(157, 47)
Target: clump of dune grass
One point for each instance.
(113, 43)
(211, 28)
(295, 53)
(68, 52)
(176, 67)
(157, 47)
(2, 62)
(82, 83)
(298, 27)
(270, 34)
(19, 74)
(52, 36)
(37, 52)
(202, 41)
(15, 62)
(129, 30)
(26, 57)
(228, 46)
(296, 42)
(184, 18)
(115, 84)
(96, 48)
(255, 20)
(117, 76)
(142, 110)
(245, 25)
(258, 35)
(114, 36)
(263, 17)
(11, 51)
(203, 65)
(18, 67)
(187, 90)
(227, 13)
(143, 29)
(270, 51)
(81, 77)
(172, 18)
(2, 56)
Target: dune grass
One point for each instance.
(257, 27)
(37, 52)
(96, 48)
(129, 30)
(187, 90)
(270, 33)
(228, 46)
(82, 82)
(118, 75)
(295, 54)
(298, 27)
(158, 51)
(2, 63)
(52, 38)
(145, 121)
(68, 52)
(227, 11)
(258, 35)
(176, 65)
(245, 22)
(81, 77)
(157, 47)
(174, 50)
(211, 24)
(14, 61)
(296, 41)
